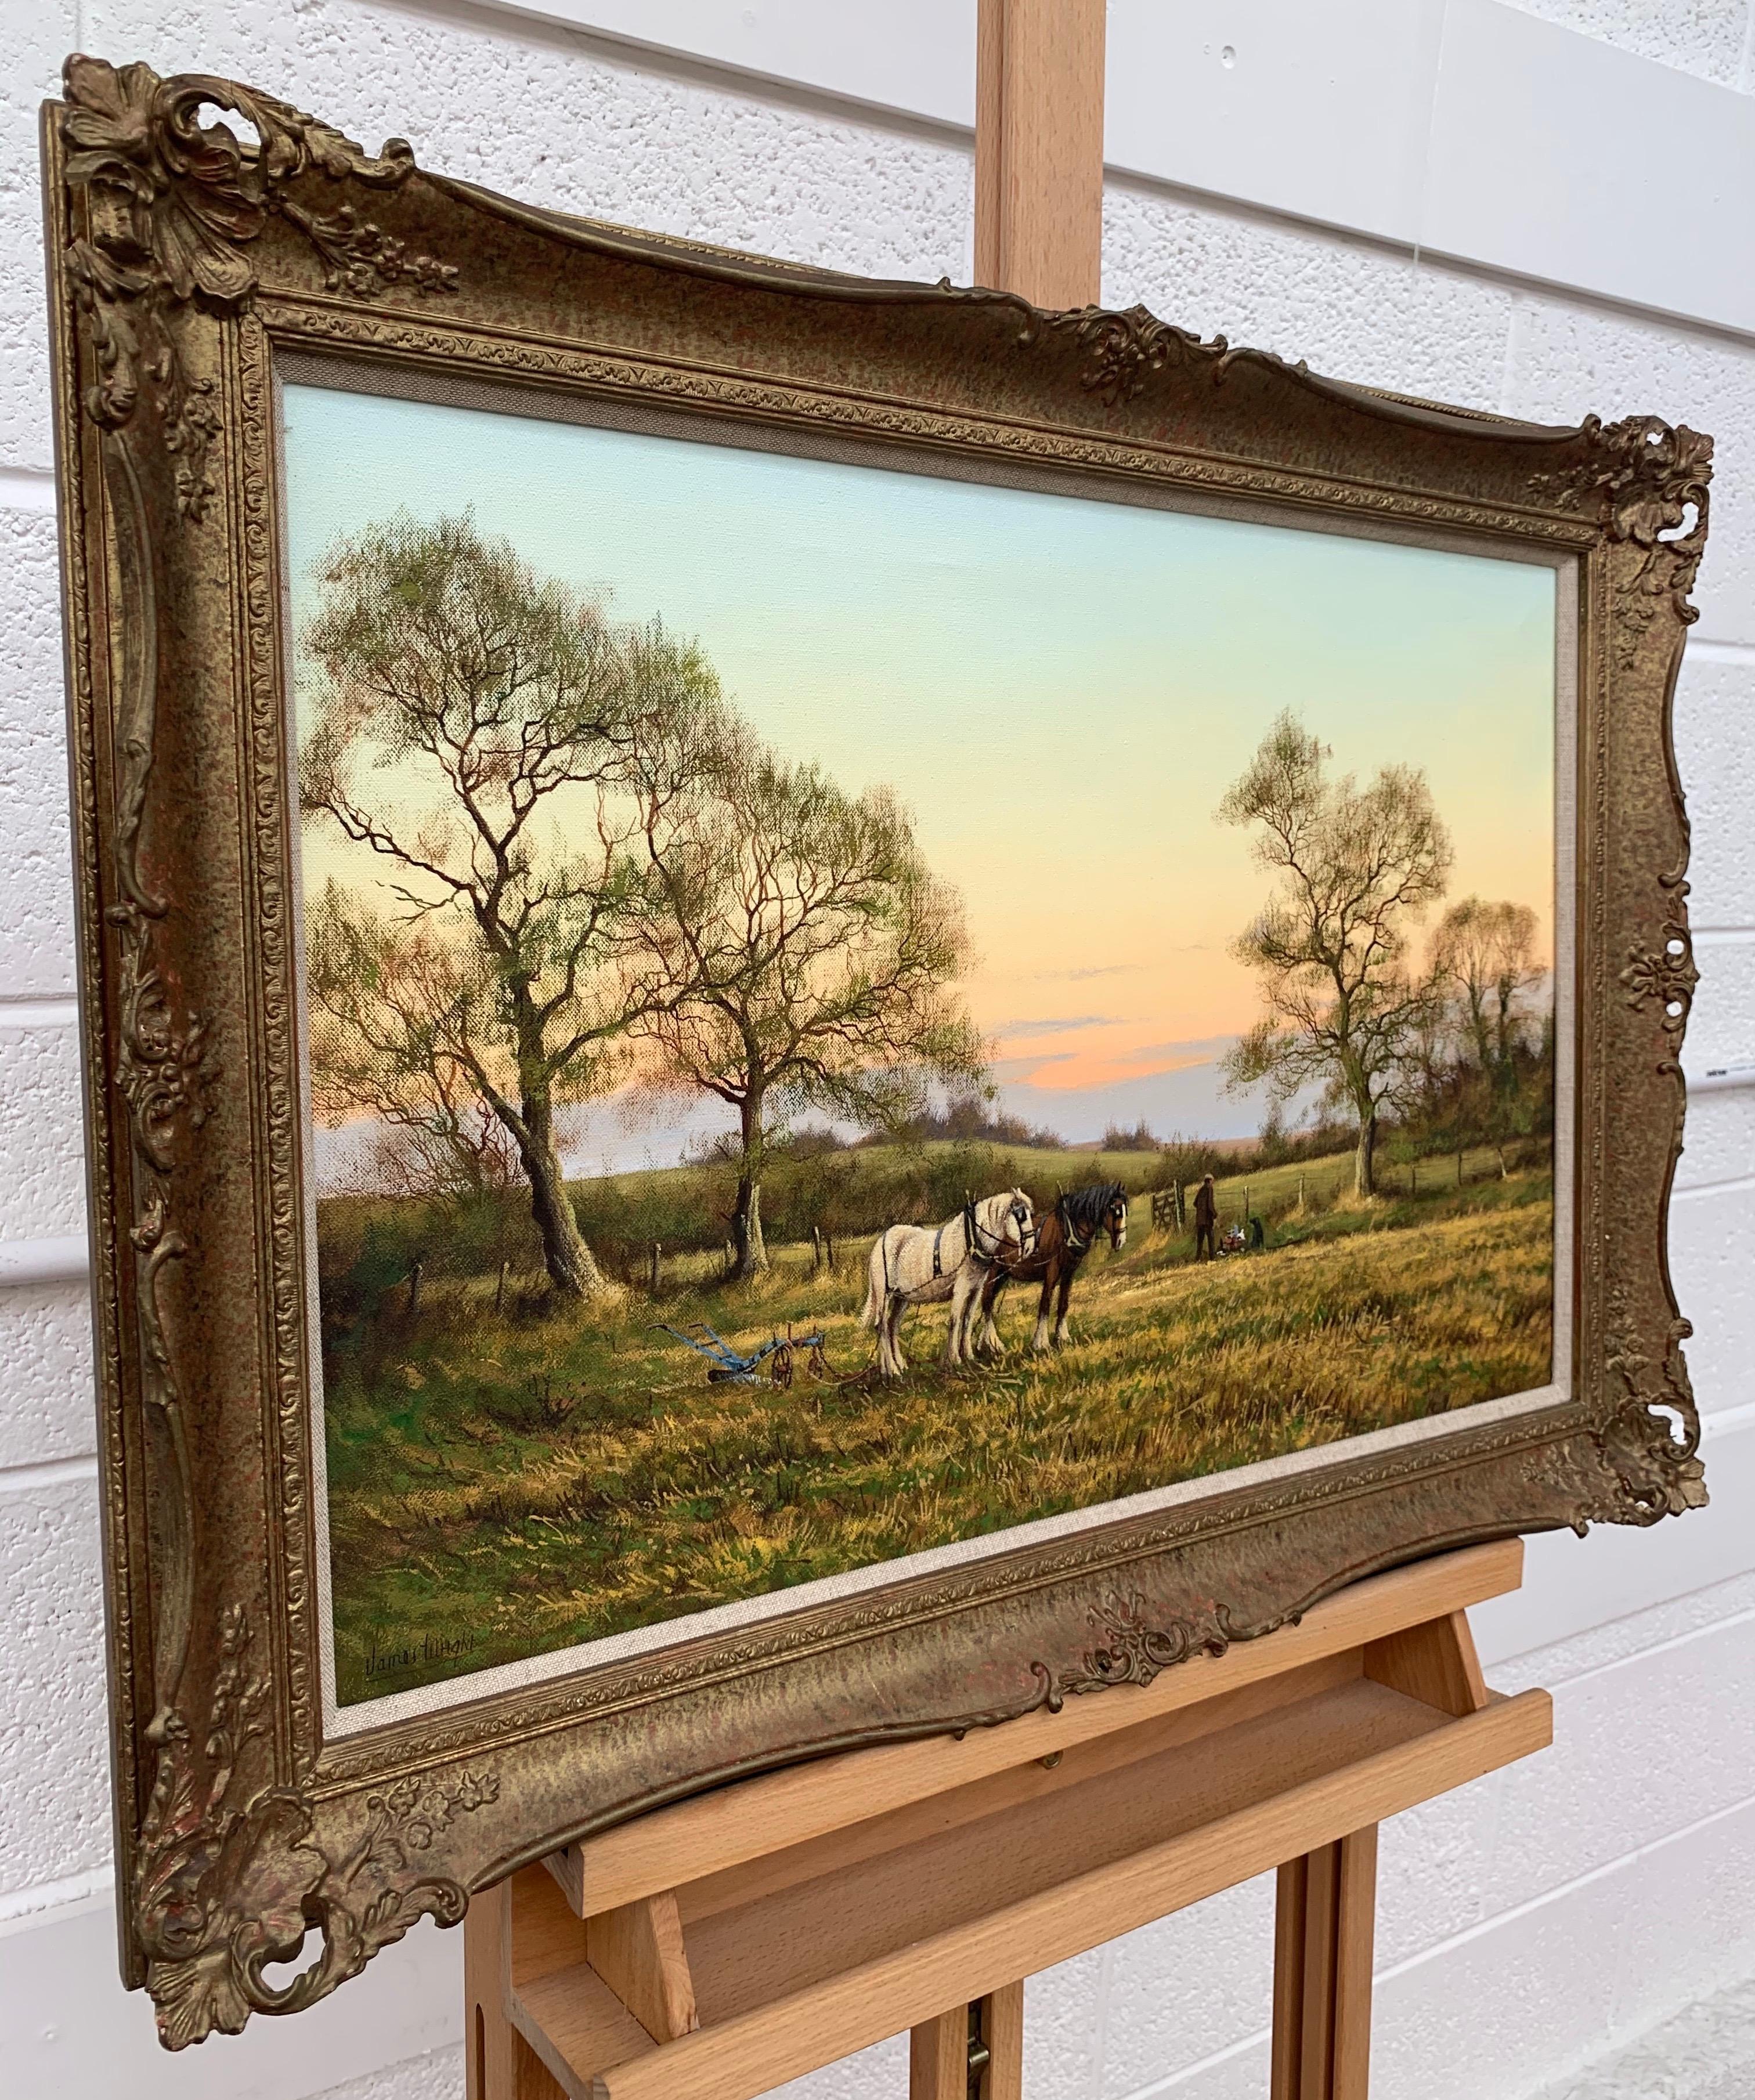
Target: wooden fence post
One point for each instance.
(656, 1260)
(414, 1290)
(499, 1288)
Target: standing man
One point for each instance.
(1206, 1218)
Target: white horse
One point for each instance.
(923, 1265)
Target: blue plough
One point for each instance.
(729, 1368)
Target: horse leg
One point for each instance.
(972, 1315)
(897, 1307)
(1039, 1339)
(1066, 1293)
(886, 1364)
(956, 1333)
(988, 1342)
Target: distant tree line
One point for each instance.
(966, 1116)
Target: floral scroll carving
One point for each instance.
(225, 1879)
(174, 205)
(230, 1881)
(1131, 1650)
(1652, 485)
(1665, 976)
(1652, 1439)
(1124, 350)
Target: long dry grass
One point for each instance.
(502, 1487)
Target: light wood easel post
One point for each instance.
(1039, 116)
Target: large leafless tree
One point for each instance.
(1354, 869)
(473, 724)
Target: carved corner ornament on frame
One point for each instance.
(185, 257)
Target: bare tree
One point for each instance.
(811, 954)
(378, 1048)
(472, 725)
(1484, 955)
(1483, 968)
(1355, 866)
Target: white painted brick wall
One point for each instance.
(1709, 37)
(1581, 1928)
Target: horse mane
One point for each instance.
(1086, 1208)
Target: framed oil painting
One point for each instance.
(815, 1009)
(781, 1109)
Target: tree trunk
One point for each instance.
(749, 1250)
(572, 1266)
(1365, 1176)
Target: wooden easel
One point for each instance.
(712, 1950)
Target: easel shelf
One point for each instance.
(713, 1949)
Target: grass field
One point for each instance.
(504, 1484)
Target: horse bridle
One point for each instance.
(1020, 1211)
(1074, 1244)
(1021, 1215)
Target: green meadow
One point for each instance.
(508, 1475)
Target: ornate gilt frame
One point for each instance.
(181, 266)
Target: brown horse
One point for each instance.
(1064, 1237)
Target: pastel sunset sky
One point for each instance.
(1060, 689)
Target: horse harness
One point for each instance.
(1070, 1244)
(972, 1235)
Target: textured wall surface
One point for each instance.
(1580, 1928)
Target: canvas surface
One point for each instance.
(771, 925)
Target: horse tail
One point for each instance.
(872, 1316)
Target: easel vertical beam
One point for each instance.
(1324, 1933)
(937, 2057)
(1321, 1951)
(1002, 2029)
(1355, 1944)
(1039, 135)
(974, 2052)
(1289, 1908)
(498, 2063)
(490, 2064)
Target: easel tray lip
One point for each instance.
(738, 2057)
(742, 1820)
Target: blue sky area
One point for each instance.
(1059, 688)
